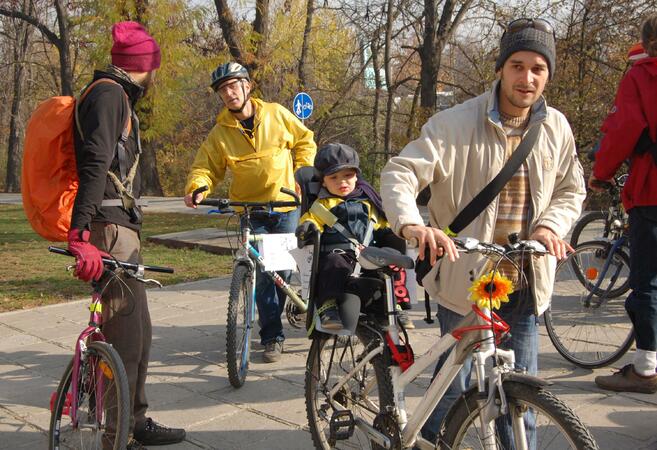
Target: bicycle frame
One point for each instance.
(248, 254)
(473, 337)
(91, 332)
(615, 245)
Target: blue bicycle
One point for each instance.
(586, 321)
(241, 298)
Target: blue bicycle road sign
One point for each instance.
(302, 105)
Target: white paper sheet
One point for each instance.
(275, 250)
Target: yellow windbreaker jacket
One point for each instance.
(260, 165)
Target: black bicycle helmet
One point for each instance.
(228, 71)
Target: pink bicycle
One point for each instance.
(91, 407)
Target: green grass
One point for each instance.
(31, 276)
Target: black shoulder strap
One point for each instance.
(645, 145)
(488, 194)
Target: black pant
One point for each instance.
(334, 271)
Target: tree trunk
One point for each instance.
(436, 35)
(310, 9)
(388, 75)
(14, 147)
(378, 89)
(66, 72)
(260, 29)
(60, 42)
(150, 177)
(230, 31)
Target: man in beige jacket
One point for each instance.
(457, 154)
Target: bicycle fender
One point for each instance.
(516, 377)
(526, 379)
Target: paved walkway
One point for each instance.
(188, 383)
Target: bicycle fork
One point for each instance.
(489, 407)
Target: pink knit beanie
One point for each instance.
(134, 49)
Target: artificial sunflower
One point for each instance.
(491, 291)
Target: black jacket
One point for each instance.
(102, 116)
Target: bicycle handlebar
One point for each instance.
(223, 203)
(471, 245)
(114, 264)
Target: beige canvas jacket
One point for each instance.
(458, 152)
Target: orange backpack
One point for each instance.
(49, 181)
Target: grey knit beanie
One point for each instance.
(530, 39)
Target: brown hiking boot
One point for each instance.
(627, 380)
(272, 351)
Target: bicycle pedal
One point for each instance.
(341, 426)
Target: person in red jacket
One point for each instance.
(630, 132)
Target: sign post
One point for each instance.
(302, 105)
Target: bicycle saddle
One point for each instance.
(372, 258)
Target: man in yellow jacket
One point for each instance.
(262, 144)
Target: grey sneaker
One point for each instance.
(403, 319)
(272, 352)
(627, 380)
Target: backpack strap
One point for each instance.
(128, 123)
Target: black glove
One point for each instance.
(304, 233)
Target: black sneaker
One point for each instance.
(135, 445)
(273, 351)
(330, 319)
(152, 433)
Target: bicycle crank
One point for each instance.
(387, 424)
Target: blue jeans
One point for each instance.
(641, 304)
(270, 300)
(519, 313)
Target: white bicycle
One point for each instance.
(355, 389)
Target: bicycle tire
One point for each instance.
(585, 226)
(557, 426)
(590, 331)
(99, 356)
(361, 398)
(238, 330)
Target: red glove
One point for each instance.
(88, 262)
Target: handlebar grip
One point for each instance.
(291, 193)
(113, 263)
(198, 191)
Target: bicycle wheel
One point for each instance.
(590, 227)
(238, 326)
(365, 394)
(102, 382)
(615, 281)
(589, 327)
(556, 425)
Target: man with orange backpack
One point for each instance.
(106, 214)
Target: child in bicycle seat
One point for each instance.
(360, 222)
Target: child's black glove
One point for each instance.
(304, 233)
